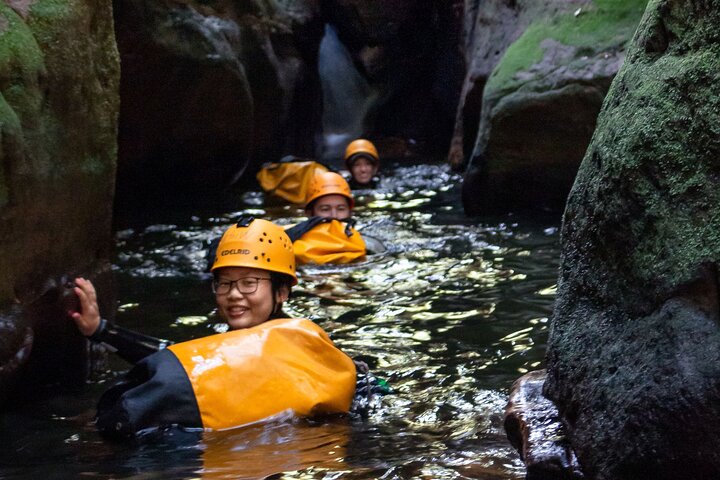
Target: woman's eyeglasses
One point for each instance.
(244, 285)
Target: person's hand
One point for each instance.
(88, 318)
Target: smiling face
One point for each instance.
(363, 170)
(330, 206)
(245, 310)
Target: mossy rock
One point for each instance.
(634, 349)
(59, 100)
(540, 103)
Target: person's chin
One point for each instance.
(238, 322)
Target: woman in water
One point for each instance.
(266, 365)
(363, 162)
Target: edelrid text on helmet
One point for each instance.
(256, 243)
(358, 148)
(328, 183)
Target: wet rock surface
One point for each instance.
(58, 122)
(210, 89)
(634, 351)
(537, 76)
(533, 426)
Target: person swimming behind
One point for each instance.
(329, 234)
(265, 365)
(291, 177)
(363, 162)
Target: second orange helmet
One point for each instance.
(328, 183)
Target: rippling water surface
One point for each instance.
(450, 315)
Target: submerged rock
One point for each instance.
(634, 351)
(533, 426)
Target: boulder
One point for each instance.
(537, 78)
(209, 89)
(633, 362)
(59, 75)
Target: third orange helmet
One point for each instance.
(361, 147)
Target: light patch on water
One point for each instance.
(190, 320)
(535, 321)
(397, 204)
(422, 336)
(453, 315)
(516, 335)
(127, 306)
(548, 291)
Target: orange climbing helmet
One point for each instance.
(256, 243)
(328, 183)
(361, 148)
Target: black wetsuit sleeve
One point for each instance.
(128, 344)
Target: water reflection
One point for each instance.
(260, 451)
(450, 315)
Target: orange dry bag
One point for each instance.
(329, 242)
(289, 180)
(281, 365)
(232, 379)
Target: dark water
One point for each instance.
(450, 315)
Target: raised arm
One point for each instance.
(129, 345)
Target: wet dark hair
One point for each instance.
(277, 281)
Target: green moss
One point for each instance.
(658, 141)
(52, 9)
(21, 66)
(682, 241)
(94, 166)
(46, 16)
(20, 55)
(607, 25)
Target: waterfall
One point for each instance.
(347, 97)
